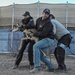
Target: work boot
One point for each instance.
(31, 67)
(35, 70)
(15, 66)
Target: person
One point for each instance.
(27, 23)
(63, 37)
(45, 33)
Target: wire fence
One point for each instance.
(10, 15)
(6, 47)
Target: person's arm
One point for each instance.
(54, 27)
(30, 25)
(46, 30)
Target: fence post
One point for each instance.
(66, 14)
(38, 14)
(13, 8)
(0, 18)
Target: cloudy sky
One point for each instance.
(9, 2)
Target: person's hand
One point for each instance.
(31, 34)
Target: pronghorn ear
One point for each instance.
(14, 26)
(18, 24)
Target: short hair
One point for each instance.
(53, 17)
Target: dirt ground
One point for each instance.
(7, 62)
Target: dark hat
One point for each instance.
(47, 11)
(26, 13)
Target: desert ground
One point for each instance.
(7, 62)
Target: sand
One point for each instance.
(7, 62)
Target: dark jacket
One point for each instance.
(28, 23)
(44, 28)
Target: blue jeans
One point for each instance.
(38, 55)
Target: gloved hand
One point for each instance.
(31, 34)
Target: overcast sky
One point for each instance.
(9, 2)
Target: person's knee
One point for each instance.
(35, 46)
(59, 50)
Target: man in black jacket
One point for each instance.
(27, 23)
(45, 33)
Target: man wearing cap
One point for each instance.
(45, 33)
(27, 23)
